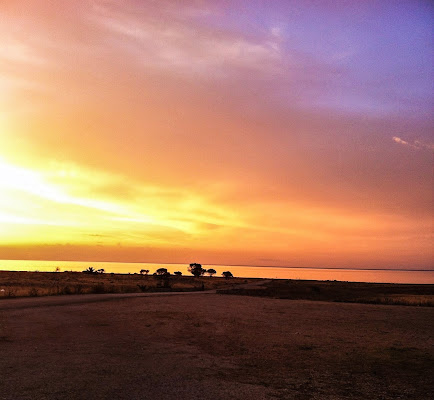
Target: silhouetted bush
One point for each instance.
(196, 269)
(162, 276)
(142, 288)
(90, 270)
(161, 271)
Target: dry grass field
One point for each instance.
(34, 284)
(348, 292)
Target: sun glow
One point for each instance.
(29, 198)
(34, 183)
(75, 199)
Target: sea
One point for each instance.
(244, 271)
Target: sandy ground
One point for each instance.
(210, 346)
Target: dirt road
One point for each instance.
(207, 346)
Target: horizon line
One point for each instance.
(233, 265)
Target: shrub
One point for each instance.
(161, 271)
(196, 269)
(227, 274)
(142, 288)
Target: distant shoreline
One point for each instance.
(226, 265)
(374, 275)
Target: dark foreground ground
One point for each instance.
(210, 346)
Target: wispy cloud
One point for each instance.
(178, 45)
(416, 144)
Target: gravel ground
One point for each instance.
(209, 346)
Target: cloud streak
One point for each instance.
(181, 47)
(416, 144)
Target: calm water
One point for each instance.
(352, 275)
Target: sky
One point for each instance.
(285, 133)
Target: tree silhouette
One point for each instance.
(100, 271)
(163, 277)
(178, 273)
(196, 269)
(144, 271)
(162, 271)
(211, 272)
(90, 270)
(227, 274)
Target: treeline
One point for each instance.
(195, 269)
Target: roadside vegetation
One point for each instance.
(336, 291)
(94, 280)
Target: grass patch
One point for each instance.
(25, 284)
(346, 292)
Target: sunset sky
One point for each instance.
(290, 133)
